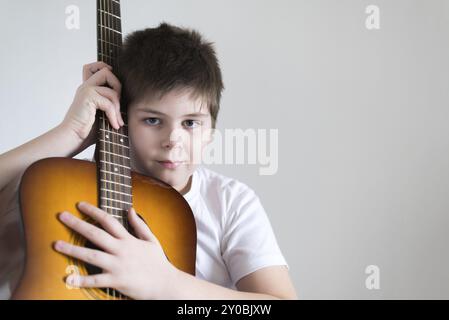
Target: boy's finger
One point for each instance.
(109, 223)
(96, 235)
(109, 108)
(111, 95)
(105, 76)
(92, 68)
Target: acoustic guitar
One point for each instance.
(52, 185)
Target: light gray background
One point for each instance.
(362, 117)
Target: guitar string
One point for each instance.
(122, 160)
(115, 25)
(103, 173)
(102, 134)
(126, 163)
(112, 138)
(116, 178)
(108, 19)
(119, 146)
(106, 135)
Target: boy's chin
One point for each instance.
(173, 177)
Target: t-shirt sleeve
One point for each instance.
(248, 242)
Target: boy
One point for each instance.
(171, 88)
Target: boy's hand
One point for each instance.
(91, 95)
(137, 267)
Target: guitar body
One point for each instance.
(50, 186)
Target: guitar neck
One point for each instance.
(109, 31)
(112, 149)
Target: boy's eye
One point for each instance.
(152, 121)
(191, 124)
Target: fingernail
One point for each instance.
(63, 216)
(58, 245)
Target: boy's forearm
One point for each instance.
(58, 142)
(184, 286)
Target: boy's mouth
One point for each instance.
(170, 164)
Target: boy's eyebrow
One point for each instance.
(195, 114)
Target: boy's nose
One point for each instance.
(172, 139)
(170, 144)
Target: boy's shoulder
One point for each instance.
(223, 181)
(227, 188)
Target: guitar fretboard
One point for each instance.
(113, 156)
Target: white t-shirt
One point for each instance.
(234, 235)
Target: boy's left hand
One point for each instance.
(137, 267)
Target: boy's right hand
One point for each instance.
(92, 95)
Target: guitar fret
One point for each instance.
(105, 55)
(115, 164)
(115, 7)
(121, 184)
(108, 13)
(125, 202)
(120, 145)
(109, 190)
(125, 136)
(110, 37)
(113, 44)
(116, 154)
(102, 118)
(110, 172)
(105, 206)
(112, 41)
(110, 51)
(105, 27)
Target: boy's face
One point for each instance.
(167, 137)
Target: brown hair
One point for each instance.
(155, 61)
